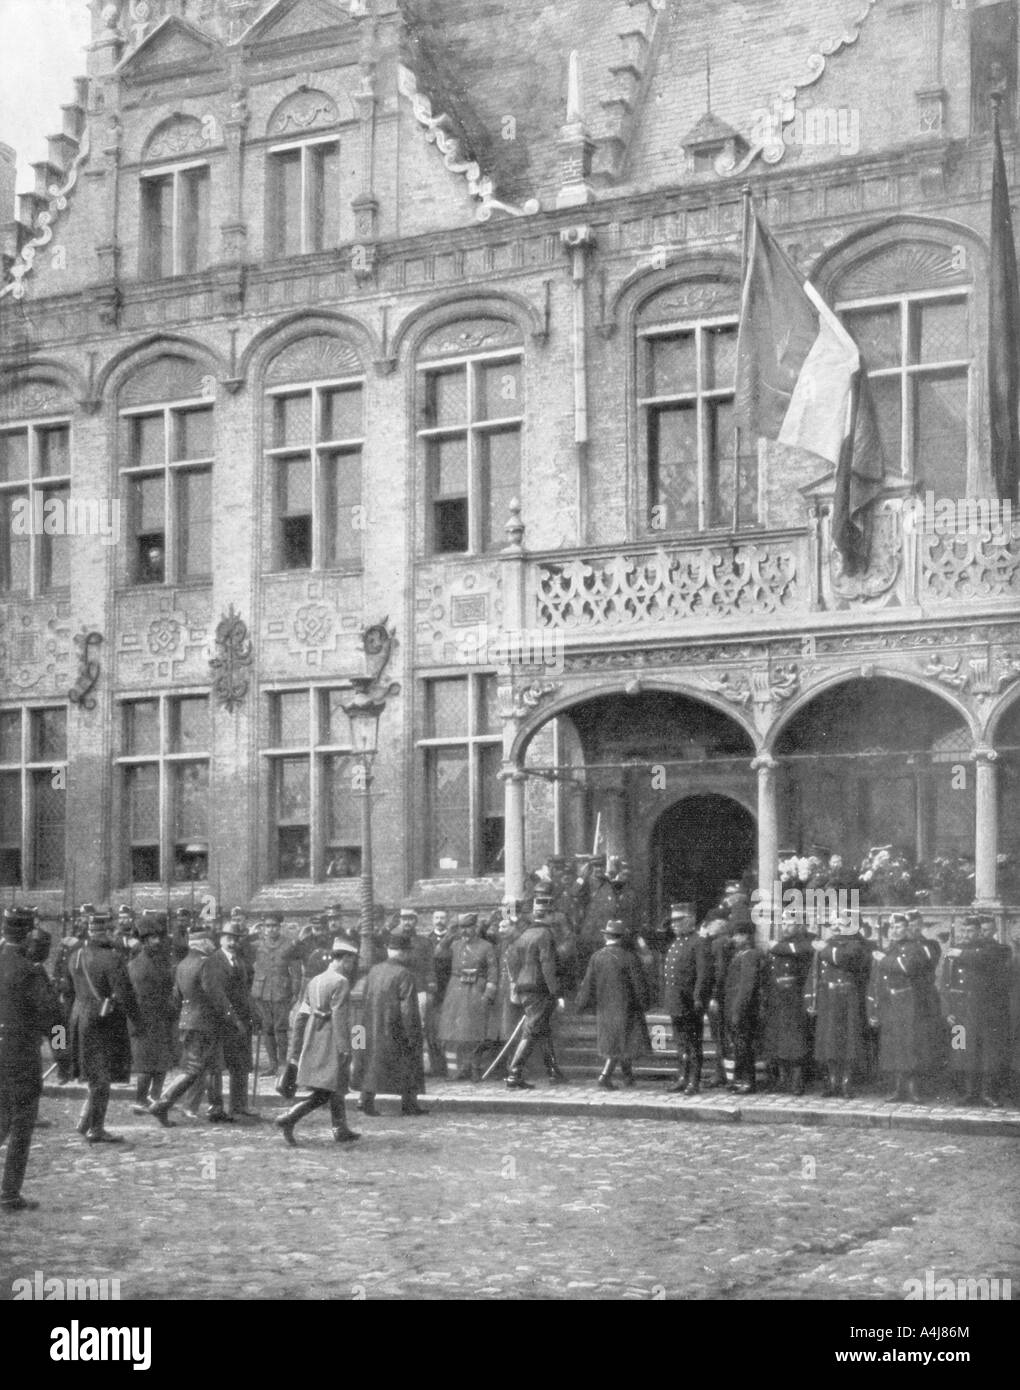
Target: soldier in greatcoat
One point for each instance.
(898, 1008)
(616, 987)
(743, 1006)
(104, 1005)
(469, 1022)
(433, 968)
(509, 1011)
(998, 1006)
(152, 1034)
(28, 1011)
(976, 1028)
(324, 1062)
(786, 1034)
(533, 967)
(394, 1063)
(687, 975)
(76, 927)
(837, 994)
(936, 1044)
(230, 974)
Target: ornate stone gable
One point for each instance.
(296, 25)
(172, 48)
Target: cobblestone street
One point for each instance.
(514, 1207)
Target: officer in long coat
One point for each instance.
(28, 1011)
(716, 928)
(969, 997)
(76, 925)
(433, 969)
(152, 1034)
(687, 976)
(230, 973)
(743, 1005)
(898, 1008)
(206, 1014)
(272, 989)
(469, 1022)
(936, 1044)
(394, 1063)
(786, 1035)
(533, 967)
(837, 993)
(324, 1063)
(509, 1010)
(616, 987)
(104, 1005)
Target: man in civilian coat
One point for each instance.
(469, 1022)
(687, 976)
(104, 1004)
(152, 1034)
(394, 1063)
(433, 968)
(206, 1015)
(743, 1006)
(616, 987)
(324, 1062)
(228, 969)
(28, 1011)
(898, 1008)
(786, 1035)
(837, 993)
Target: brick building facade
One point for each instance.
(335, 314)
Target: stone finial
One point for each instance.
(575, 146)
(515, 526)
(575, 98)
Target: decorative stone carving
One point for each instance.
(875, 586)
(958, 566)
(456, 606)
(690, 300)
(175, 138)
(162, 636)
(474, 335)
(42, 232)
(35, 648)
(322, 357)
(437, 133)
(760, 688)
(167, 379)
(314, 622)
(88, 669)
(230, 667)
(708, 584)
(517, 701)
(982, 677)
(303, 111)
(31, 398)
(909, 265)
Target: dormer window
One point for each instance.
(175, 220)
(303, 189)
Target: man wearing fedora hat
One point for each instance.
(104, 1005)
(152, 1034)
(325, 1057)
(28, 1011)
(616, 987)
(228, 970)
(394, 1062)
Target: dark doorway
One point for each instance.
(696, 846)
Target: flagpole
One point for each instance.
(737, 433)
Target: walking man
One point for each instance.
(616, 987)
(104, 1004)
(533, 967)
(152, 1033)
(325, 1061)
(28, 1011)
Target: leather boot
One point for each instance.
(796, 1080)
(343, 1135)
(606, 1079)
(552, 1067)
(285, 1123)
(98, 1134)
(367, 1103)
(693, 1087)
(683, 1071)
(85, 1118)
(627, 1075)
(515, 1076)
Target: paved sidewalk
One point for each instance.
(649, 1101)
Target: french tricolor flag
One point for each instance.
(800, 381)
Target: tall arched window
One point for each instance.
(175, 199)
(167, 446)
(470, 392)
(909, 308)
(686, 367)
(303, 176)
(314, 432)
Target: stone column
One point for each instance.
(513, 780)
(986, 839)
(767, 770)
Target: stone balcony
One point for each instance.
(772, 580)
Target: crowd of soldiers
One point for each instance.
(334, 1013)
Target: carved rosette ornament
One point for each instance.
(230, 667)
(88, 669)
